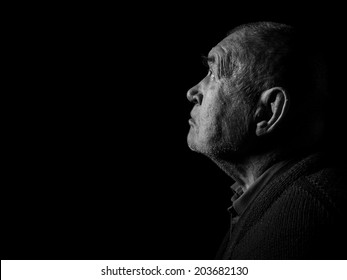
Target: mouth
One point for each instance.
(191, 120)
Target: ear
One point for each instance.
(272, 107)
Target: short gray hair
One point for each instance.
(267, 54)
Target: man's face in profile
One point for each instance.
(219, 117)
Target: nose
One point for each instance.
(195, 95)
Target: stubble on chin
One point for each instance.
(208, 145)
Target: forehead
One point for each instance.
(223, 48)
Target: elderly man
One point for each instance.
(258, 115)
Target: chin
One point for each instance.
(198, 147)
(203, 145)
(191, 143)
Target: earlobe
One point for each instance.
(273, 106)
(261, 128)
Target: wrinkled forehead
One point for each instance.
(224, 47)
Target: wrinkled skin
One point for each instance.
(221, 122)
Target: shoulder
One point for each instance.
(299, 214)
(314, 184)
(323, 184)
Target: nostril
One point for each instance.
(194, 95)
(198, 98)
(195, 99)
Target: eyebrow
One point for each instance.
(208, 60)
(211, 59)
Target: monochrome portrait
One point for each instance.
(156, 132)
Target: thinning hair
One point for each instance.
(263, 55)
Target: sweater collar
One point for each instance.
(242, 199)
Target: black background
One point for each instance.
(98, 164)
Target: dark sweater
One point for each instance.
(300, 214)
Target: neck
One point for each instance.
(249, 169)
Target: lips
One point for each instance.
(191, 120)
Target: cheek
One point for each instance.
(210, 112)
(212, 103)
(212, 122)
(235, 124)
